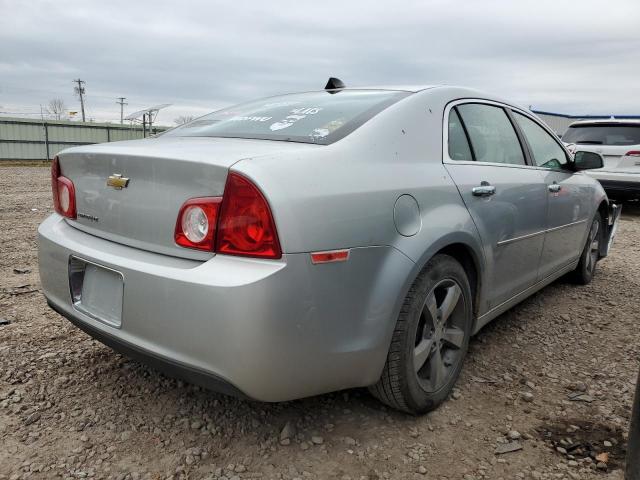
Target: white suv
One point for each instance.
(618, 141)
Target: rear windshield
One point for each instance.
(603, 134)
(313, 117)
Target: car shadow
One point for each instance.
(630, 209)
(183, 407)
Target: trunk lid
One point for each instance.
(163, 173)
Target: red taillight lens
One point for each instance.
(633, 153)
(246, 226)
(196, 225)
(239, 223)
(64, 193)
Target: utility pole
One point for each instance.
(122, 104)
(80, 92)
(46, 133)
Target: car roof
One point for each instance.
(401, 88)
(455, 91)
(606, 121)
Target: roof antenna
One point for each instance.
(334, 84)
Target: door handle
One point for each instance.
(554, 188)
(484, 190)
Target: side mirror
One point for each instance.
(587, 160)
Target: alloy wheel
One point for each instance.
(440, 335)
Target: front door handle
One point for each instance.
(484, 190)
(554, 188)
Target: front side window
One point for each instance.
(545, 150)
(491, 134)
(312, 117)
(458, 143)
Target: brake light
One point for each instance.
(239, 223)
(64, 193)
(633, 153)
(246, 226)
(196, 225)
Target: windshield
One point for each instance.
(603, 134)
(313, 117)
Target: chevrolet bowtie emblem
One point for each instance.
(117, 181)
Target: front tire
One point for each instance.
(430, 339)
(583, 274)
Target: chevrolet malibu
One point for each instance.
(318, 241)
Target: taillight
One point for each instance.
(239, 223)
(64, 193)
(633, 153)
(196, 225)
(246, 226)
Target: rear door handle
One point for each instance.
(554, 188)
(484, 190)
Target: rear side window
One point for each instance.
(545, 150)
(491, 134)
(458, 143)
(603, 134)
(312, 117)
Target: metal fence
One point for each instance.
(29, 139)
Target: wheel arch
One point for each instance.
(466, 257)
(603, 209)
(464, 247)
(467, 250)
(388, 389)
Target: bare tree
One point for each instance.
(182, 119)
(56, 107)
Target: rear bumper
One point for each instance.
(269, 330)
(165, 365)
(617, 184)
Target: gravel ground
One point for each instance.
(553, 378)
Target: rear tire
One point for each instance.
(583, 274)
(430, 339)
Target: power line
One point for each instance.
(80, 92)
(19, 113)
(122, 104)
(4, 88)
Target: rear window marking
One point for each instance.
(250, 119)
(287, 122)
(328, 128)
(306, 111)
(280, 104)
(295, 115)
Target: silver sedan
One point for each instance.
(318, 241)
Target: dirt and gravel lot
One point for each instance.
(554, 376)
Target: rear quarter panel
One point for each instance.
(343, 195)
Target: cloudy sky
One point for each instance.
(561, 55)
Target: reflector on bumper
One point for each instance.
(330, 256)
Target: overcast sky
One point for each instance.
(578, 56)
